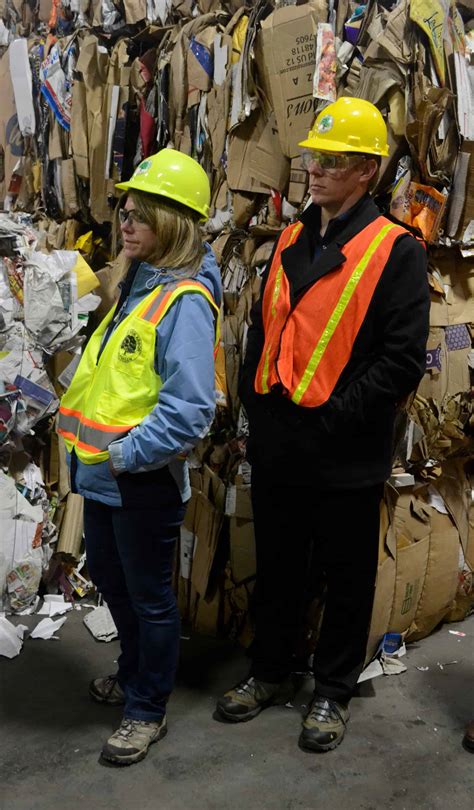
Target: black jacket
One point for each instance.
(347, 442)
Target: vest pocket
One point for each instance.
(116, 410)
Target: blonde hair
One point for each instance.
(179, 240)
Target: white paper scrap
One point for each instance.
(47, 628)
(101, 624)
(373, 670)
(392, 665)
(54, 605)
(22, 82)
(11, 638)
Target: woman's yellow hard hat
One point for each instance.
(349, 125)
(173, 175)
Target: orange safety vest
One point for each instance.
(307, 346)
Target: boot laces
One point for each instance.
(128, 726)
(325, 711)
(247, 687)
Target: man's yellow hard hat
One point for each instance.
(173, 175)
(349, 125)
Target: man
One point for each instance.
(337, 341)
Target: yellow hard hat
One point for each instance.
(349, 125)
(174, 175)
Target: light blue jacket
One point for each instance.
(184, 360)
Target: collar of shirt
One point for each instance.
(336, 229)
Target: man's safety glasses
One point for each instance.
(329, 161)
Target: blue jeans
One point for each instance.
(130, 555)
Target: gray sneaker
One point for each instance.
(130, 743)
(325, 725)
(107, 690)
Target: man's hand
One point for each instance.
(112, 469)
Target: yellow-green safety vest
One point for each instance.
(111, 394)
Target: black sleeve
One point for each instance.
(403, 304)
(255, 341)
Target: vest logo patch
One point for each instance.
(130, 347)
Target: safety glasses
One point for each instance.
(130, 217)
(329, 161)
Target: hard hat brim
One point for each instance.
(337, 146)
(150, 189)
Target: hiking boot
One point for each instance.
(107, 690)
(325, 725)
(131, 741)
(249, 697)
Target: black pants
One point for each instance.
(302, 533)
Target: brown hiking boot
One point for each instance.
(107, 690)
(249, 697)
(131, 741)
(325, 725)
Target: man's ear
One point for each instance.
(369, 171)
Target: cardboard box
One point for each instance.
(286, 56)
(441, 579)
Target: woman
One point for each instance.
(141, 398)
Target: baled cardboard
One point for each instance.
(135, 11)
(286, 52)
(207, 618)
(441, 580)
(384, 586)
(70, 536)
(206, 527)
(456, 274)
(455, 489)
(93, 64)
(109, 278)
(298, 182)
(411, 528)
(412, 562)
(11, 142)
(268, 164)
(461, 198)
(242, 153)
(242, 549)
(447, 371)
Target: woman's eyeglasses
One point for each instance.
(130, 217)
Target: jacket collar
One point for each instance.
(298, 260)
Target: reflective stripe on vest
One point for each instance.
(107, 397)
(307, 347)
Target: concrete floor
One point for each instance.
(402, 750)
